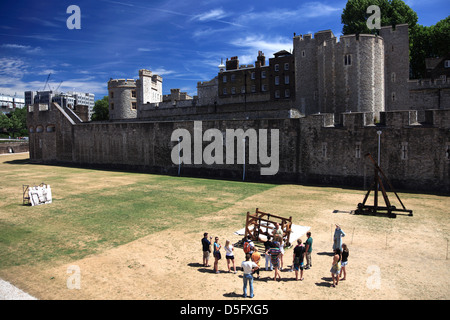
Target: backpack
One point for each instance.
(246, 247)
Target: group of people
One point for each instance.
(274, 254)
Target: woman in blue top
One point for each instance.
(217, 255)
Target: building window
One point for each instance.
(447, 151)
(303, 53)
(253, 75)
(233, 78)
(50, 128)
(393, 96)
(233, 90)
(286, 66)
(348, 60)
(133, 106)
(243, 89)
(358, 151)
(277, 94)
(324, 150)
(286, 79)
(404, 152)
(111, 94)
(31, 130)
(253, 88)
(224, 79)
(225, 91)
(277, 80)
(277, 67)
(263, 74)
(39, 129)
(393, 76)
(133, 93)
(112, 106)
(287, 93)
(447, 63)
(264, 87)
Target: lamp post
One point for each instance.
(379, 143)
(243, 149)
(179, 156)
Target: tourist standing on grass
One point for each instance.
(297, 261)
(308, 248)
(217, 255)
(336, 267)
(248, 267)
(206, 245)
(267, 245)
(278, 233)
(344, 261)
(256, 257)
(229, 255)
(337, 239)
(274, 253)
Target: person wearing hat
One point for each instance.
(206, 246)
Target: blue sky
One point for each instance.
(183, 41)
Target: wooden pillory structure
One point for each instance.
(376, 186)
(262, 223)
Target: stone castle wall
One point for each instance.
(314, 149)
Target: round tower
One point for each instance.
(122, 99)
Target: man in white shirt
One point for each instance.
(248, 266)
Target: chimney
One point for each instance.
(261, 58)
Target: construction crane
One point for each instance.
(47, 81)
(56, 90)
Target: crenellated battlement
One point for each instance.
(428, 83)
(393, 119)
(121, 83)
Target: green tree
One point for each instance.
(354, 16)
(5, 123)
(101, 110)
(19, 121)
(424, 42)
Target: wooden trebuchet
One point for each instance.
(263, 223)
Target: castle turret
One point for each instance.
(122, 99)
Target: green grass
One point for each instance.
(86, 218)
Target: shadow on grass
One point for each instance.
(233, 295)
(18, 161)
(327, 282)
(330, 254)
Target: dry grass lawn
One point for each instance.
(157, 255)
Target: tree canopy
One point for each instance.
(15, 122)
(355, 16)
(101, 110)
(425, 42)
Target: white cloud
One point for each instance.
(280, 15)
(47, 72)
(162, 71)
(210, 15)
(21, 48)
(258, 42)
(12, 67)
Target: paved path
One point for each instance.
(10, 292)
